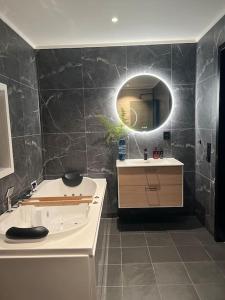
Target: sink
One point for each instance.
(148, 162)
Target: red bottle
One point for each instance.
(156, 153)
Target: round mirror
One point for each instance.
(144, 103)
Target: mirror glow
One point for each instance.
(144, 103)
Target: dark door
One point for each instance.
(220, 154)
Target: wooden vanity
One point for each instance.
(151, 183)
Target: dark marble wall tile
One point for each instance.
(31, 112)
(203, 136)
(207, 88)
(59, 68)
(62, 111)
(102, 163)
(203, 196)
(27, 66)
(18, 72)
(189, 191)
(16, 106)
(9, 52)
(183, 147)
(184, 106)
(24, 109)
(33, 145)
(104, 67)
(64, 152)
(99, 102)
(154, 59)
(183, 63)
(101, 157)
(206, 103)
(17, 58)
(137, 143)
(20, 178)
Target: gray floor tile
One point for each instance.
(114, 228)
(104, 227)
(205, 272)
(217, 252)
(171, 273)
(184, 238)
(135, 255)
(141, 293)
(154, 227)
(221, 266)
(100, 256)
(131, 228)
(114, 241)
(133, 240)
(110, 293)
(113, 256)
(101, 242)
(159, 239)
(205, 237)
(99, 272)
(211, 291)
(164, 254)
(112, 275)
(138, 274)
(178, 292)
(193, 253)
(108, 240)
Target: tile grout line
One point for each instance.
(152, 265)
(121, 265)
(183, 263)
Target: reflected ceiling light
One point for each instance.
(115, 20)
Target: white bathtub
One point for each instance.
(59, 220)
(63, 262)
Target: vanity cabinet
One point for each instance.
(150, 184)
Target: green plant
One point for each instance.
(115, 131)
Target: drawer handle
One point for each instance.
(152, 188)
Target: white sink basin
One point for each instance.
(148, 163)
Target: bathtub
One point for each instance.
(61, 265)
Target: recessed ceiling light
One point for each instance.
(115, 20)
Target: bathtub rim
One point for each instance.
(69, 245)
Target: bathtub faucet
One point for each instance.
(8, 196)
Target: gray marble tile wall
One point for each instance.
(18, 71)
(78, 84)
(207, 84)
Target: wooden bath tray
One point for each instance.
(57, 201)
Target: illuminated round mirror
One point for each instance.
(144, 103)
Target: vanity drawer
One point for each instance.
(164, 175)
(133, 197)
(152, 196)
(132, 176)
(170, 195)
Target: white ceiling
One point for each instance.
(80, 23)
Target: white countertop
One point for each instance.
(151, 162)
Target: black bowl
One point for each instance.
(72, 179)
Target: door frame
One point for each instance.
(219, 204)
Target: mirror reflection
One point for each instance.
(144, 103)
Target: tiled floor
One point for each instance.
(170, 261)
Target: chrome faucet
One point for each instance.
(8, 196)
